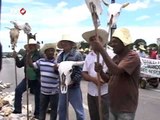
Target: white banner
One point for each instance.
(150, 67)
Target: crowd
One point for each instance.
(116, 71)
(147, 52)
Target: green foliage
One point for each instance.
(84, 45)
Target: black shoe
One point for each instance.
(16, 112)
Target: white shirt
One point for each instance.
(89, 65)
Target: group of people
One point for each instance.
(150, 52)
(119, 71)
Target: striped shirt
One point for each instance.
(49, 77)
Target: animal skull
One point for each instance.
(65, 71)
(14, 34)
(114, 10)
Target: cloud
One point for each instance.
(50, 21)
(141, 18)
(156, 0)
(16, 1)
(138, 5)
(146, 33)
(157, 14)
(66, 16)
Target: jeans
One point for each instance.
(121, 116)
(93, 106)
(44, 102)
(21, 88)
(74, 96)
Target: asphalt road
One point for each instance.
(149, 98)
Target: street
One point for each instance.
(149, 98)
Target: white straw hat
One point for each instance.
(47, 46)
(32, 42)
(124, 35)
(102, 33)
(65, 37)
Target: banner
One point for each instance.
(150, 67)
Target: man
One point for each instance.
(141, 51)
(123, 75)
(74, 95)
(31, 75)
(90, 75)
(49, 81)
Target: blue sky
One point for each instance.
(52, 18)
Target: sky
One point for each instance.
(50, 19)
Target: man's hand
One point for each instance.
(98, 67)
(97, 46)
(55, 67)
(98, 81)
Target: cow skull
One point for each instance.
(65, 71)
(114, 10)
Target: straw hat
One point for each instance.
(102, 33)
(142, 47)
(32, 42)
(65, 37)
(47, 46)
(124, 35)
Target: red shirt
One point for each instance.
(153, 54)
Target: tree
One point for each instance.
(84, 45)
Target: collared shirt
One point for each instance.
(123, 88)
(89, 65)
